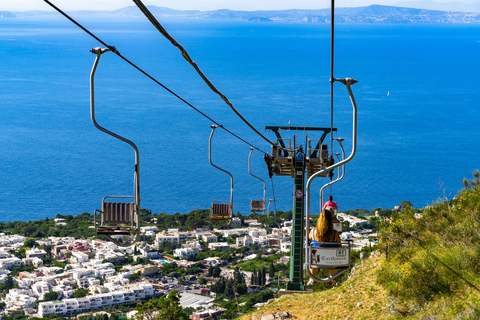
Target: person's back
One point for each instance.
(330, 203)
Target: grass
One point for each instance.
(359, 297)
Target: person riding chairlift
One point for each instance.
(331, 204)
(324, 232)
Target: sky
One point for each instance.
(26, 5)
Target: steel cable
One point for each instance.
(164, 32)
(148, 75)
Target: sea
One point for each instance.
(417, 96)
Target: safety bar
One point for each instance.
(250, 172)
(340, 177)
(210, 159)
(136, 185)
(333, 276)
(347, 82)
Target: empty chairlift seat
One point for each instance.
(117, 218)
(221, 211)
(257, 205)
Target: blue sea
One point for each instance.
(417, 96)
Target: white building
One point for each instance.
(236, 222)
(73, 306)
(222, 246)
(163, 236)
(209, 238)
(285, 246)
(79, 257)
(184, 252)
(35, 252)
(8, 263)
(244, 241)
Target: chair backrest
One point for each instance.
(118, 212)
(221, 209)
(257, 205)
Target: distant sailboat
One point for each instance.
(388, 93)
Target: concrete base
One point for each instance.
(283, 292)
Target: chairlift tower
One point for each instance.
(293, 161)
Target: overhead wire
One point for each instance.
(187, 57)
(332, 47)
(114, 50)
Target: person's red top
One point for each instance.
(330, 204)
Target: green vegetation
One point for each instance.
(50, 296)
(80, 292)
(433, 259)
(166, 308)
(264, 261)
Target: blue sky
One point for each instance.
(24, 5)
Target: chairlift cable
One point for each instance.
(332, 47)
(164, 32)
(113, 49)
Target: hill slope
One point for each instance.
(358, 298)
(430, 267)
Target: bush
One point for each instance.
(435, 255)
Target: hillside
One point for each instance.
(359, 297)
(428, 263)
(368, 14)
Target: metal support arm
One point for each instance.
(210, 159)
(136, 185)
(347, 82)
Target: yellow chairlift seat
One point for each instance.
(221, 211)
(257, 205)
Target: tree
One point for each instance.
(9, 282)
(79, 293)
(216, 272)
(272, 270)
(264, 275)
(50, 296)
(241, 289)
(165, 308)
(405, 204)
(253, 278)
(202, 281)
(30, 243)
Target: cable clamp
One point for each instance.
(346, 81)
(99, 50)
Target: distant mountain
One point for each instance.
(6, 14)
(444, 6)
(369, 14)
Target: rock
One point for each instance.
(363, 255)
(359, 304)
(375, 265)
(270, 301)
(276, 316)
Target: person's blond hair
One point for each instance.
(324, 229)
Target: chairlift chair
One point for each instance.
(256, 204)
(318, 157)
(117, 218)
(221, 210)
(331, 255)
